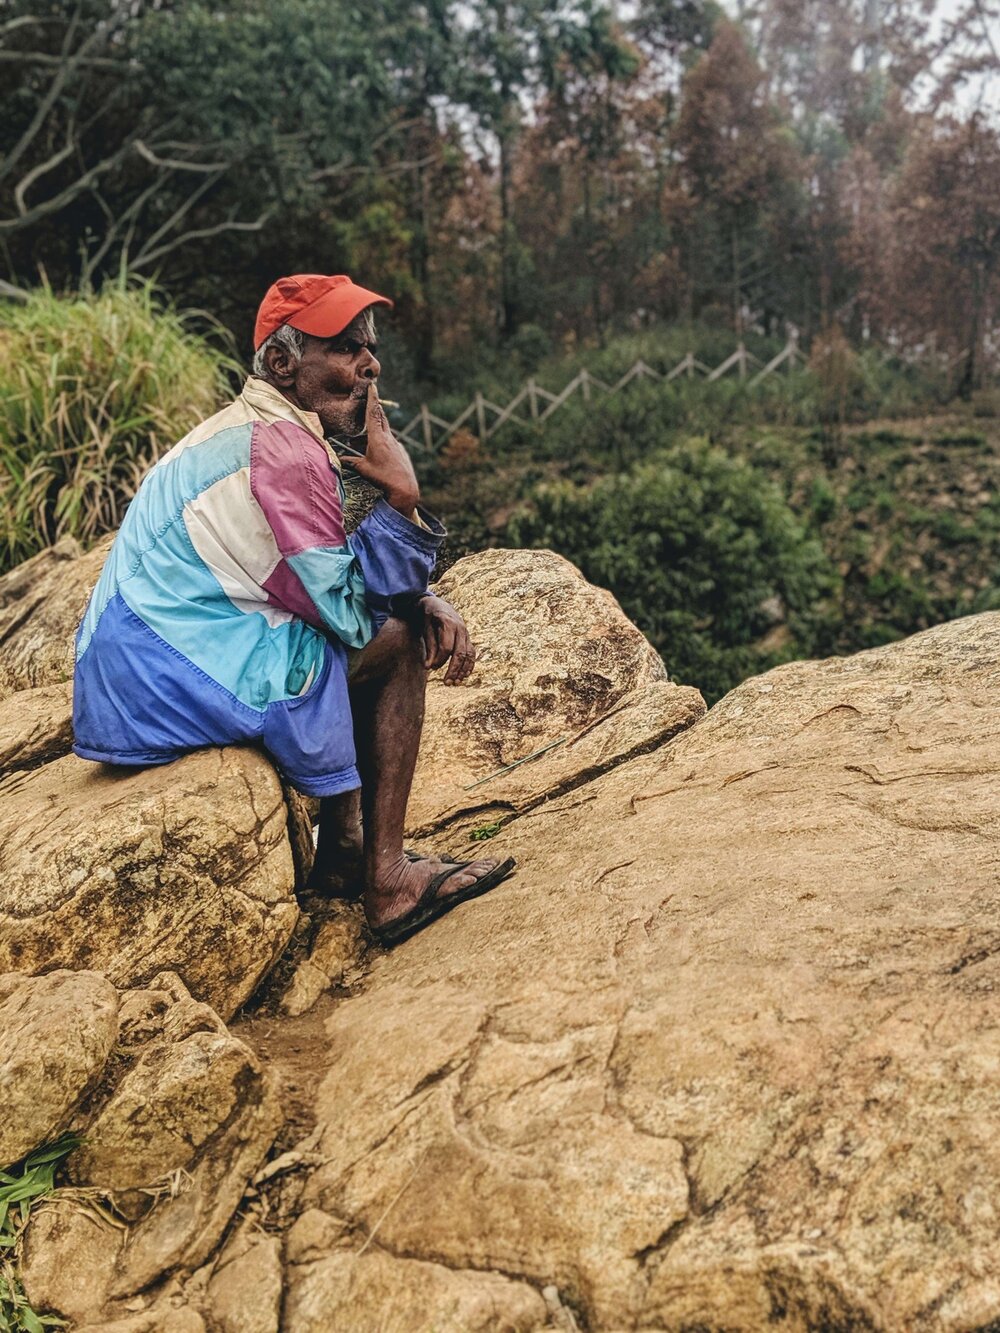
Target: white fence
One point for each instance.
(484, 418)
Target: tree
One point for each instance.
(944, 266)
(140, 130)
(740, 165)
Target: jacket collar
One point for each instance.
(269, 404)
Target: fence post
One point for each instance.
(742, 362)
(532, 400)
(425, 417)
(585, 382)
(480, 417)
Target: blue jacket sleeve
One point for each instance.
(396, 556)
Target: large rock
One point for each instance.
(350, 1291)
(56, 1033)
(177, 1126)
(560, 666)
(41, 605)
(244, 1294)
(185, 867)
(36, 726)
(726, 1052)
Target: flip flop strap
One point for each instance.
(431, 892)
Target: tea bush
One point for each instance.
(703, 553)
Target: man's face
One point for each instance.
(332, 378)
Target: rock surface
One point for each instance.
(725, 1053)
(333, 960)
(56, 1033)
(178, 1124)
(556, 655)
(244, 1294)
(36, 726)
(41, 605)
(347, 1290)
(185, 867)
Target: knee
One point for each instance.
(395, 648)
(401, 639)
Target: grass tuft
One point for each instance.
(92, 389)
(22, 1186)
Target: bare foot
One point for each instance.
(399, 886)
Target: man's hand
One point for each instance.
(445, 636)
(386, 464)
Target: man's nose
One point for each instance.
(370, 366)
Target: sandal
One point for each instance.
(430, 906)
(351, 889)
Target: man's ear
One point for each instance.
(280, 366)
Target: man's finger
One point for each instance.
(431, 646)
(446, 642)
(460, 669)
(463, 658)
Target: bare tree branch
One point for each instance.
(176, 216)
(336, 169)
(42, 169)
(12, 293)
(984, 22)
(45, 58)
(176, 164)
(25, 20)
(202, 232)
(67, 67)
(66, 196)
(129, 216)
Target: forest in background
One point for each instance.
(543, 187)
(519, 173)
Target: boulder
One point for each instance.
(184, 867)
(560, 666)
(725, 1052)
(348, 1290)
(333, 959)
(36, 726)
(69, 1260)
(244, 1294)
(173, 1132)
(41, 605)
(56, 1033)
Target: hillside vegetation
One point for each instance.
(831, 509)
(741, 527)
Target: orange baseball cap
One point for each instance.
(318, 303)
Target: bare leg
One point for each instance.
(339, 858)
(387, 699)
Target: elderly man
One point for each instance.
(234, 608)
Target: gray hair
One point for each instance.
(293, 340)
(283, 336)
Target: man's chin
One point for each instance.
(346, 418)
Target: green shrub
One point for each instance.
(950, 529)
(92, 389)
(704, 555)
(822, 500)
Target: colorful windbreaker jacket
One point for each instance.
(231, 594)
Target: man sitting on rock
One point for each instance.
(233, 607)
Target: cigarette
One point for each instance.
(387, 402)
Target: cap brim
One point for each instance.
(334, 310)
